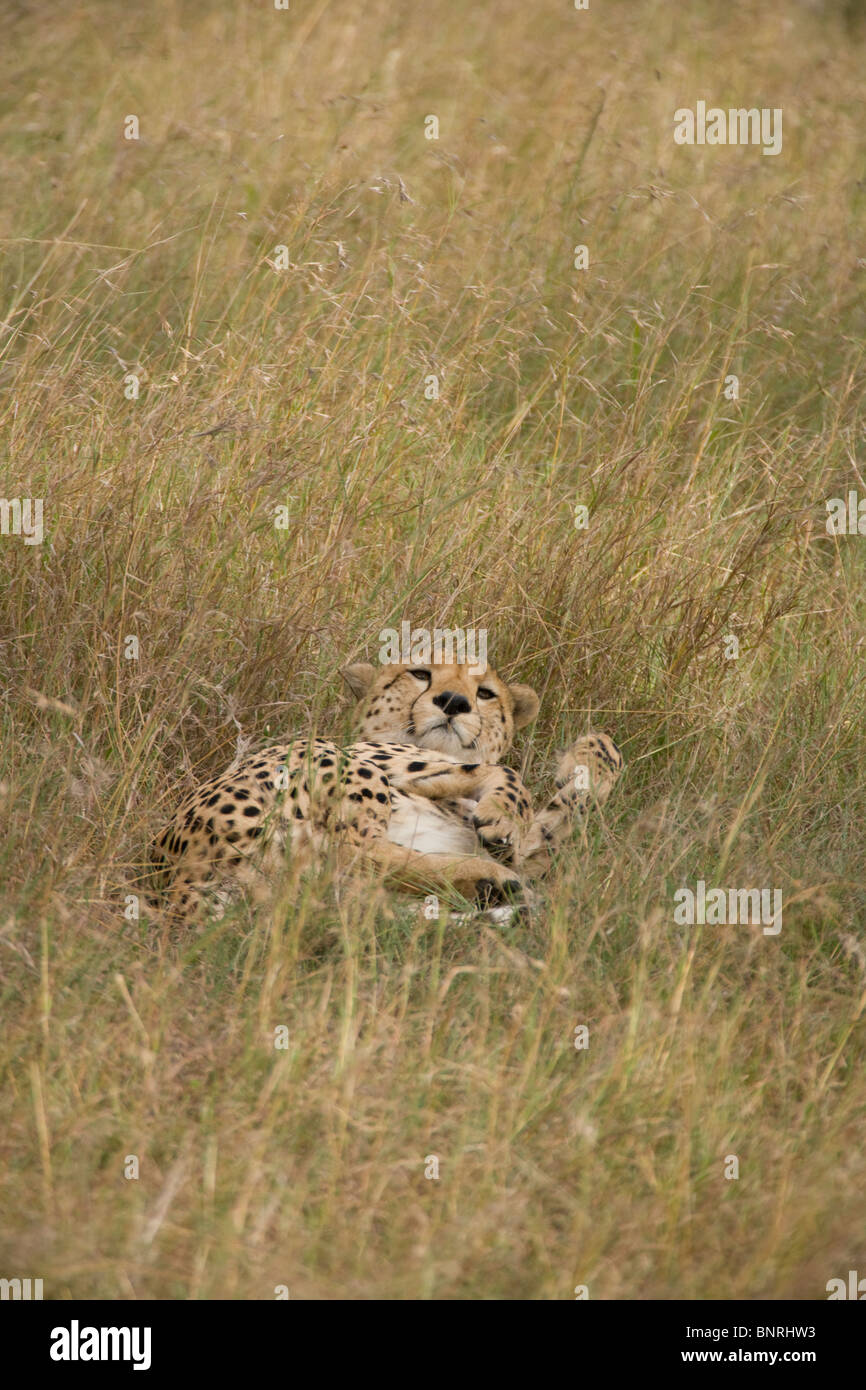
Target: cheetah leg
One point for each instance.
(196, 894)
(187, 898)
(439, 777)
(503, 809)
(587, 772)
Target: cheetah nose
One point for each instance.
(451, 703)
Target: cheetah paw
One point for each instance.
(495, 826)
(590, 767)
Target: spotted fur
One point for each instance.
(422, 798)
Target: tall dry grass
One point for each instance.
(305, 388)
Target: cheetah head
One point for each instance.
(449, 709)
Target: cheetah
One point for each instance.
(422, 798)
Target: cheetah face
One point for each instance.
(448, 709)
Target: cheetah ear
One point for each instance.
(526, 704)
(359, 677)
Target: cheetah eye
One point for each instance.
(484, 693)
(421, 675)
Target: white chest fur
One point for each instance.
(418, 823)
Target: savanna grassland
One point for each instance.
(301, 379)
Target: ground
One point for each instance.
(254, 459)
